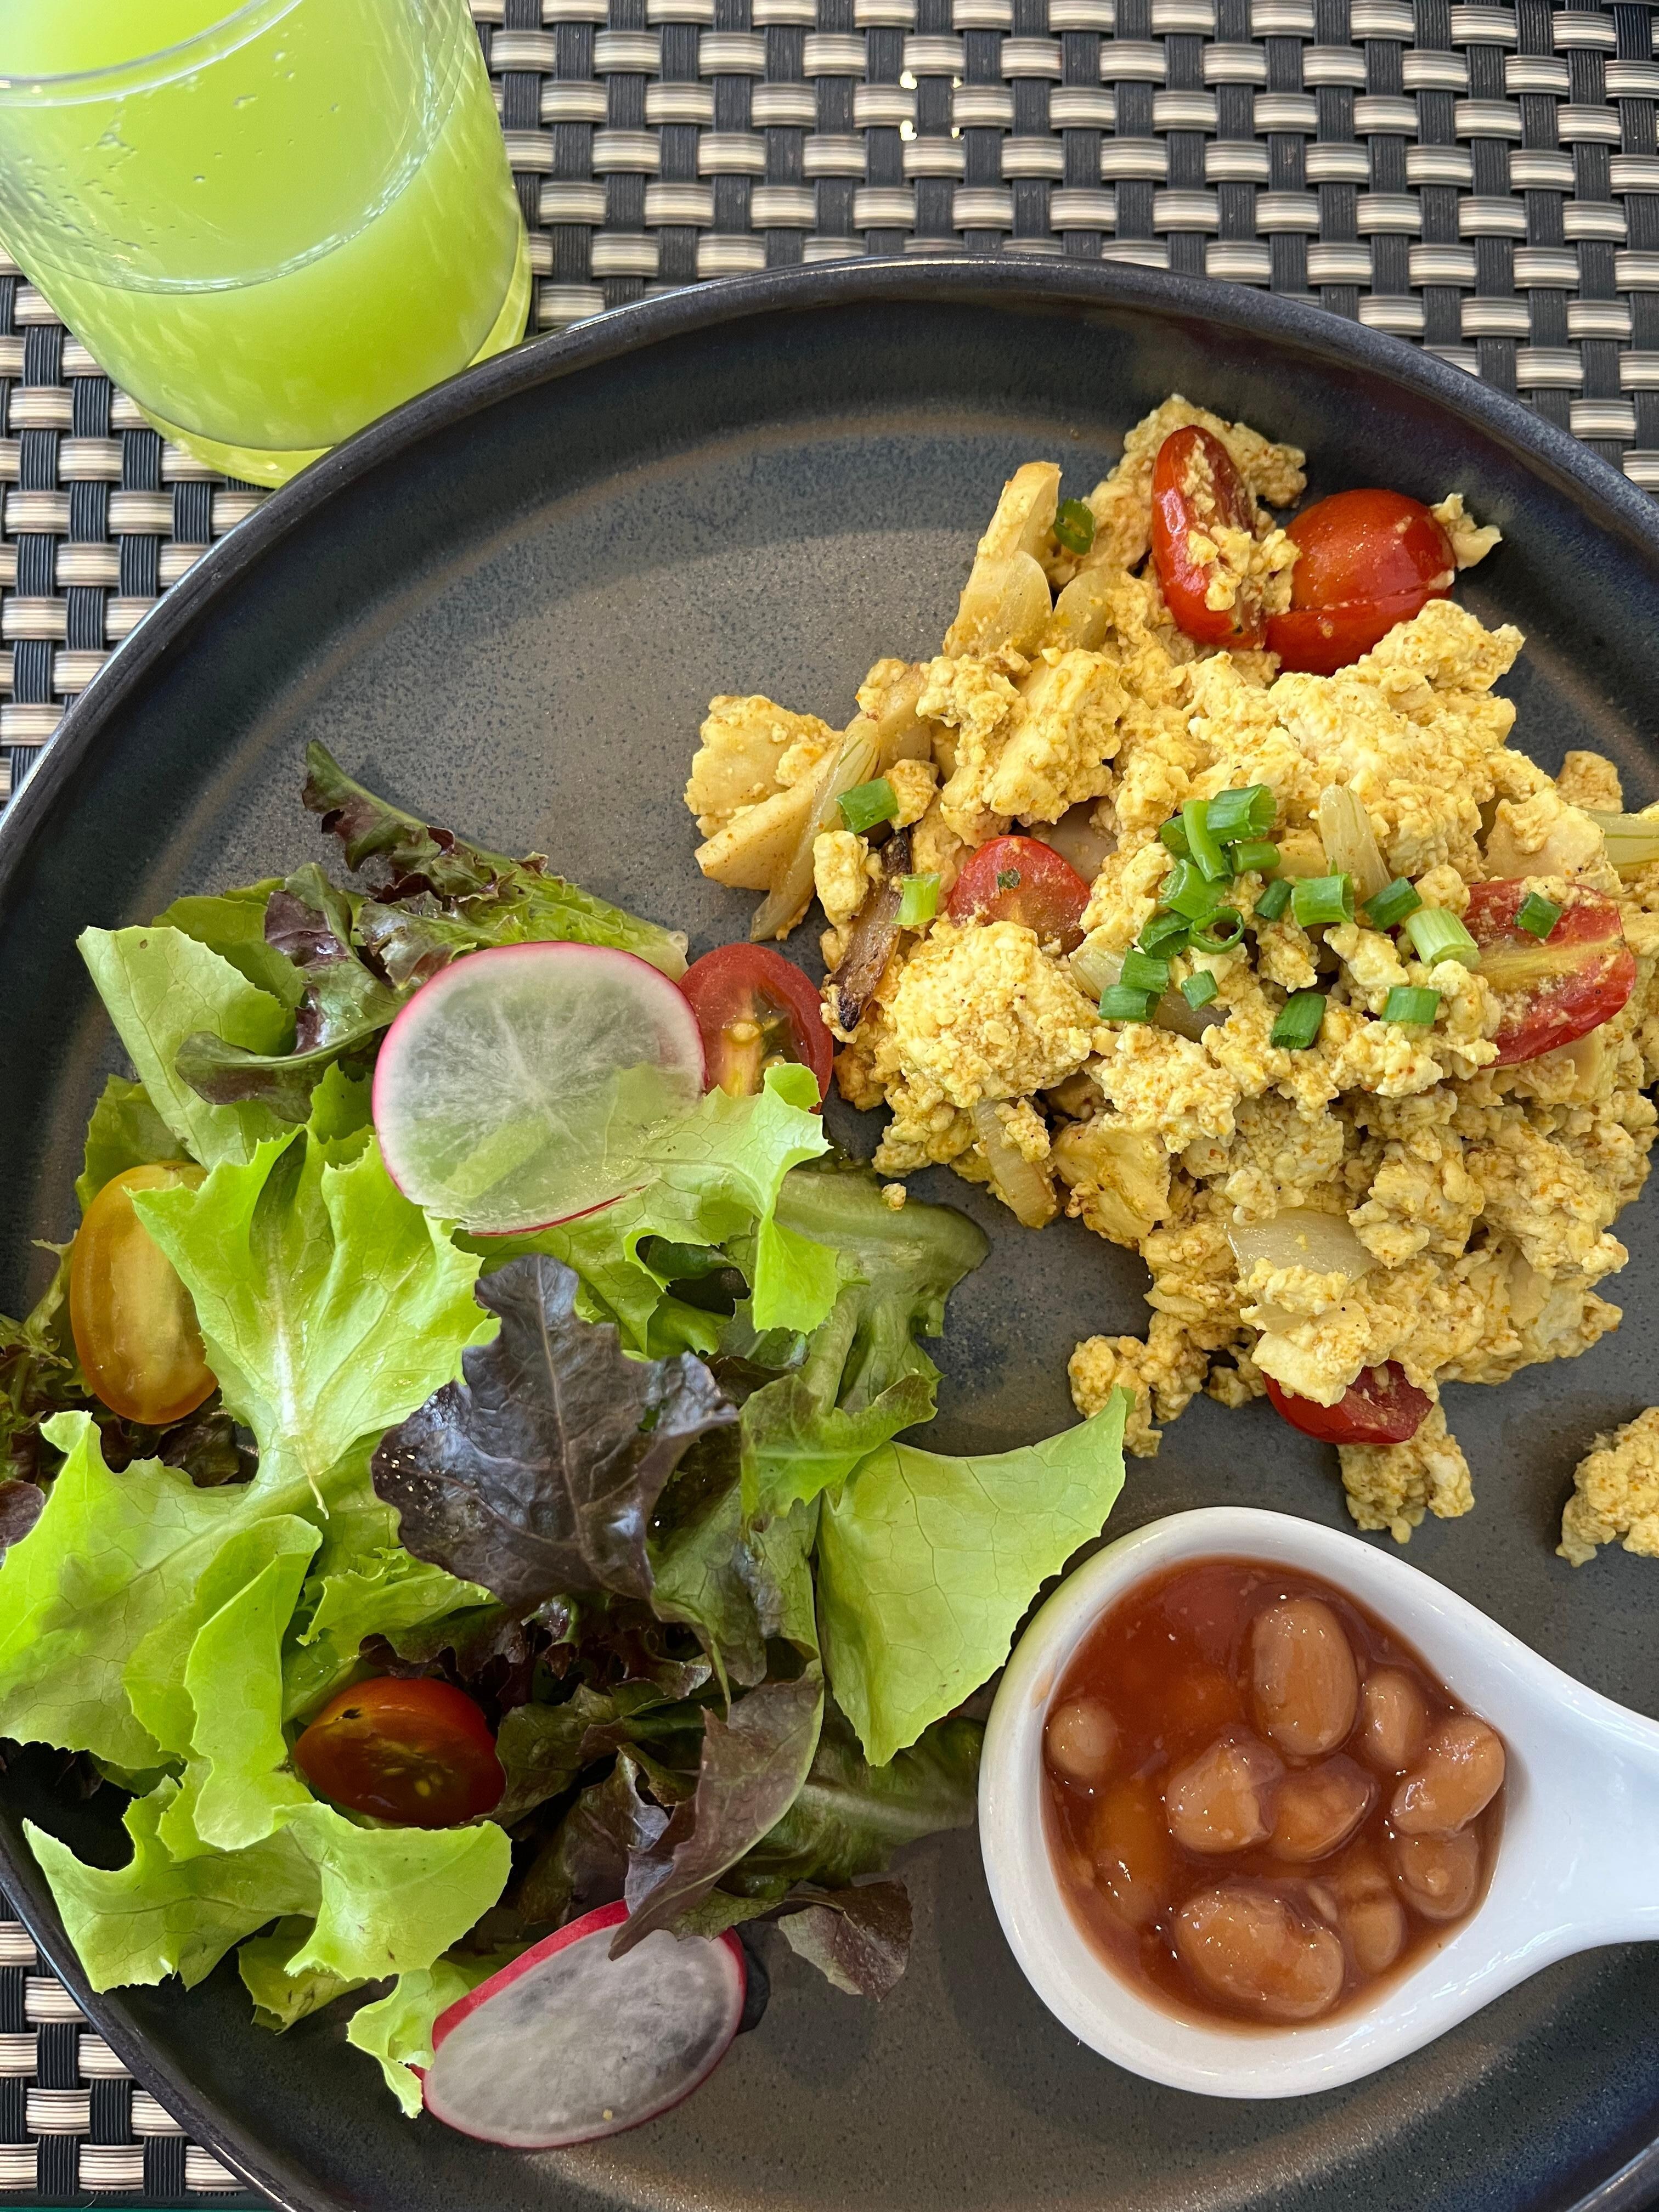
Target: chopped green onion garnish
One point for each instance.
(1074, 524)
(918, 902)
(1411, 1003)
(1275, 897)
(1007, 879)
(1165, 933)
(1196, 819)
(1438, 935)
(1198, 990)
(1300, 1020)
(1142, 971)
(1173, 836)
(1538, 916)
(1391, 906)
(1256, 852)
(1118, 1003)
(867, 804)
(1185, 893)
(1315, 899)
(1220, 930)
(1246, 813)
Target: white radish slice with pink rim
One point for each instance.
(568, 2044)
(515, 1090)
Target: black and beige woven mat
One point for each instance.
(1482, 180)
(74, 2125)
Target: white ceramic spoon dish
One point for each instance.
(1577, 1863)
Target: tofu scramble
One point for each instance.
(1195, 890)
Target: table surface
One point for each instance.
(1482, 180)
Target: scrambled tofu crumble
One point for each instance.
(1399, 1188)
(1615, 1493)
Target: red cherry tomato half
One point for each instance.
(1551, 990)
(1021, 879)
(1196, 488)
(1367, 561)
(418, 1754)
(1318, 641)
(754, 1007)
(1381, 1408)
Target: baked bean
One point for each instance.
(1133, 1863)
(1376, 1931)
(1359, 1873)
(1081, 1739)
(1368, 1911)
(1302, 1676)
(1437, 1874)
(1458, 1776)
(1222, 1800)
(1319, 1809)
(1255, 1951)
(1393, 1721)
(1223, 1755)
(1322, 1899)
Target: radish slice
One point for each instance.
(514, 1090)
(568, 2044)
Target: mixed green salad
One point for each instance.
(424, 1590)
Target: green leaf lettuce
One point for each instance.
(126, 1132)
(160, 987)
(382, 1900)
(927, 1564)
(864, 1377)
(397, 2028)
(329, 1305)
(232, 924)
(714, 1176)
(281, 1999)
(147, 1620)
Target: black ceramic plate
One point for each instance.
(509, 606)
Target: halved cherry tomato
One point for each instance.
(418, 1754)
(1556, 989)
(1367, 561)
(1196, 489)
(1021, 879)
(1381, 1408)
(133, 1320)
(1318, 641)
(754, 1007)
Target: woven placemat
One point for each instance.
(1481, 180)
(72, 2120)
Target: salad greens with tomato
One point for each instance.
(458, 1473)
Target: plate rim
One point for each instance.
(1012, 279)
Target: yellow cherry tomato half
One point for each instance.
(133, 1320)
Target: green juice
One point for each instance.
(269, 226)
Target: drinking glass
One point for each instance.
(270, 222)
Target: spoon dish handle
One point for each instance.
(1597, 1843)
